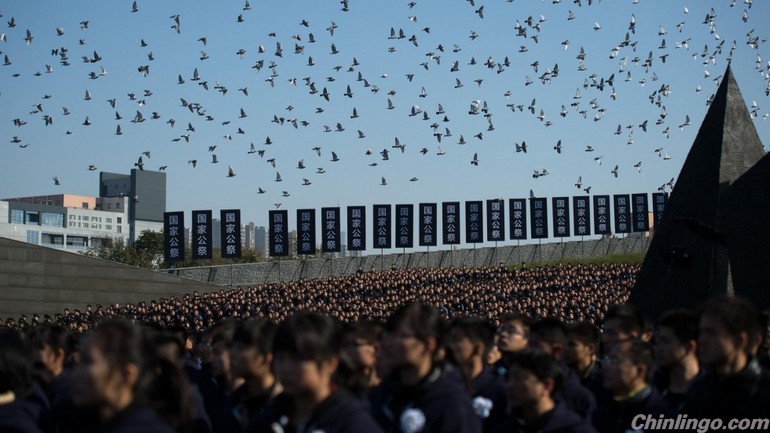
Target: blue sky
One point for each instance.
(115, 33)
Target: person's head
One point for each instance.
(676, 337)
(15, 364)
(251, 353)
(414, 338)
(534, 378)
(629, 367)
(582, 344)
(49, 349)
(728, 329)
(120, 366)
(623, 323)
(221, 340)
(513, 334)
(306, 351)
(470, 339)
(549, 335)
(362, 344)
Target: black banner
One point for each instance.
(581, 215)
(518, 208)
(428, 224)
(658, 206)
(601, 215)
(230, 232)
(495, 220)
(561, 224)
(641, 212)
(382, 226)
(405, 225)
(279, 233)
(622, 209)
(539, 217)
(306, 231)
(173, 236)
(356, 228)
(330, 223)
(474, 222)
(202, 238)
(450, 222)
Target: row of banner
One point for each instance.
(569, 216)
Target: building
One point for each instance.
(146, 191)
(261, 240)
(65, 221)
(126, 206)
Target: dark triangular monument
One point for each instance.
(688, 260)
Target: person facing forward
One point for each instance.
(422, 393)
(306, 352)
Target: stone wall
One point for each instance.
(289, 270)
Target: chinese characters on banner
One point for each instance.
(561, 224)
(658, 206)
(173, 242)
(495, 220)
(474, 223)
(305, 231)
(382, 226)
(539, 217)
(641, 211)
(450, 224)
(622, 213)
(428, 224)
(518, 209)
(202, 238)
(330, 221)
(404, 225)
(581, 215)
(279, 232)
(356, 228)
(601, 214)
(231, 233)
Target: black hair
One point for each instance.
(53, 336)
(550, 330)
(224, 332)
(542, 365)
(424, 320)
(310, 336)
(585, 332)
(525, 320)
(683, 323)
(367, 330)
(15, 364)
(257, 333)
(476, 329)
(631, 318)
(736, 315)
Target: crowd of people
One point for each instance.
(459, 351)
(569, 292)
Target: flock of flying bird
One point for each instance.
(591, 100)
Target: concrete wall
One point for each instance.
(36, 279)
(288, 270)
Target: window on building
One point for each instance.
(32, 218)
(77, 241)
(120, 220)
(117, 205)
(51, 219)
(72, 217)
(33, 237)
(120, 229)
(72, 224)
(53, 239)
(17, 216)
(109, 206)
(108, 227)
(84, 205)
(108, 220)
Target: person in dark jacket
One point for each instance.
(469, 341)
(535, 380)
(550, 335)
(422, 393)
(675, 356)
(581, 354)
(627, 378)
(15, 383)
(127, 386)
(306, 351)
(735, 386)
